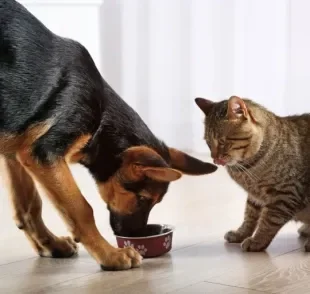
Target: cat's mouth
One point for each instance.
(220, 161)
(224, 162)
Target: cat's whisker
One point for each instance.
(248, 176)
(248, 172)
(255, 176)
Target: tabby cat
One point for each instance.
(267, 155)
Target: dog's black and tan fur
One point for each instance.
(56, 109)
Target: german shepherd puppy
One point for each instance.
(55, 109)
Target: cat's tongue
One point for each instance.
(219, 162)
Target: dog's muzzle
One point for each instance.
(129, 225)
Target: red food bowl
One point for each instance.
(155, 240)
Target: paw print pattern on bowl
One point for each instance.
(167, 242)
(157, 243)
(142, 249)
(128, 244)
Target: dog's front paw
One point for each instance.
(122, 259)
(234, 237)
(58, 247)
(251, 245)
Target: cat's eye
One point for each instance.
(221, 142)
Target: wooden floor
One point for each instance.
(202, 209)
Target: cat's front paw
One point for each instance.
(251, 245)
(307, 245)
(304, 231)
(234, 237)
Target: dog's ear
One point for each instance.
(141, 161)
(188, 164)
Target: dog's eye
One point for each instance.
(141, 198)
(143, 201)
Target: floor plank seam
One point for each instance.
(43, 289)
(285, 253)
(16, 261)
(182, 288)
(238, 287)
(186, 247)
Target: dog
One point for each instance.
(56, 109)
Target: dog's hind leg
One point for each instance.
(27, 209)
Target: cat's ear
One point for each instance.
(204, 104)
(236, 108)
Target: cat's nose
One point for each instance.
(213, 154)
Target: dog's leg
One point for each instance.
(27, 208)
(60, 186)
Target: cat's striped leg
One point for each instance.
(304, 217)
(304, 230)
(273, 217)
(247, 228)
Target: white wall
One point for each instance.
(160, 54)
(298, 74)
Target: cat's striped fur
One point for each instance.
(269, 156)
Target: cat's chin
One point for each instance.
(232, 162)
